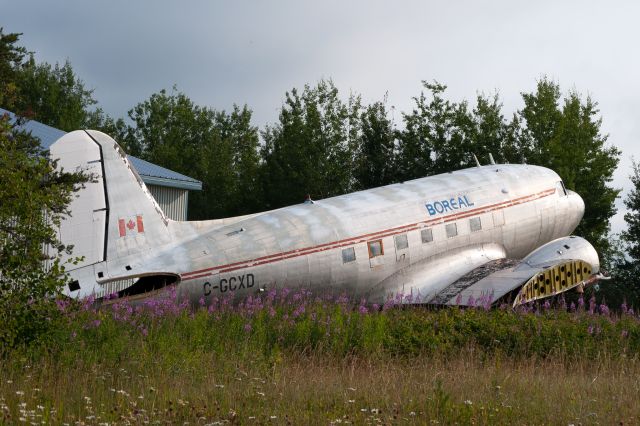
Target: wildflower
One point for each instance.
(247, 327)
(299, 311)
(19, 393)
(590, 329)
(604, 309)
(468, 402)
(363, 309)
(547, 305)
(201, 301)
(471, 301)
(623, 307)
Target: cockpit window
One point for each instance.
(560, 189)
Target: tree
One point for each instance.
(34, 196)
(310, 149)
(216, 147)
(245, 142)
(11, 60)
(374, 162)
(568, 140)
(491, 133)
(623, 260)
(437, 137)
(53, 95)
(632, 235)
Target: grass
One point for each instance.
(299, 359)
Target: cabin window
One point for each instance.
(375, 248)
(452, 230)
(475, 224)
(427, 235)
(560, 188)
(401, 242)
(348, 255)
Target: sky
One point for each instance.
(225, 52)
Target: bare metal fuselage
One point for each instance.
(415, 237)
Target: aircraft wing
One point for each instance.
(483, 275)
(491, 282)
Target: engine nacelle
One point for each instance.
(566, 248)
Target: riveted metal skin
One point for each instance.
(456, 238)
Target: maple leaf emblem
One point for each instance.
(131, 224)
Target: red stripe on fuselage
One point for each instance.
(361, 238)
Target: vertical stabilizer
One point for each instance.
(114, 217)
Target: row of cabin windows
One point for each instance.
(402, 242)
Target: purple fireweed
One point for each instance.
(592, 305)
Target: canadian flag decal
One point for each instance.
(130, 225)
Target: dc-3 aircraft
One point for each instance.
(488, 233)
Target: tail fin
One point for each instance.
(114, 216)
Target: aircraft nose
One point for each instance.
(577, 204)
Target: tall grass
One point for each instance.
(302, 358)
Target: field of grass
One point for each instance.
(293, 358)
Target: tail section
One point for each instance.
(114, 218)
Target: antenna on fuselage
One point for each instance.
(491, 159)
(476, 158)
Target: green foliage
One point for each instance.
(216, 147)
(567, 139)
(309, 150)
(34, 196)
(632, 235)
(436, 134)
(53, 95)
(11, 59)
(374, 163)
(624, 261)
(33, 200)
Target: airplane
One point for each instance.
(481, 235)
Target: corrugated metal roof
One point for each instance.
(150, 173)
